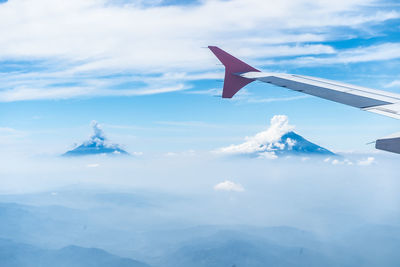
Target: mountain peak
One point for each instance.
(97, 144)
(279, 139)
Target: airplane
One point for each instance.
(238, 74)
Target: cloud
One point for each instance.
(10, 131)
(189, 124)
(338, 161)
(395, 83)
(342, 162)
(46, 29)
(9, 135)
(346, 161)
(278, 99)
(229, 186)
(368, 161)
(101, 48)
(19, 94)
(93, 165)
(209, 92)
(255, 144)
(386, 51)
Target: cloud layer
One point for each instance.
(106, 48)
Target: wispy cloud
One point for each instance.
(22, 93)
(75, 49)
(395, 83)
(189, 124)
(10, 135)
(386, 51)
(11, 132)
(278, 99)
(210, 92)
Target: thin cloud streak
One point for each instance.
(163, 53)
(382, 52)
(21, 94)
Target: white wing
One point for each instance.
(377, 101)
(238, 74)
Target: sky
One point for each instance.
(140, 69)
(140, 72)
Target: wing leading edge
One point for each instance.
(376, 101)
(372, 100)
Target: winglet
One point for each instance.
(232, 83)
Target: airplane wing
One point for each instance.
(238, 74)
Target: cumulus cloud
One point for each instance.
(256, 144)
(229, 186)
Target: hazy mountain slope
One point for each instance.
(236, 249)
(22, 255)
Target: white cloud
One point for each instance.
(88, 42)
(93, 165)
(327, 160)
(353, 160)
(279, 126)
(229, 186)
(267, 155)
(386, 51)
(395, 83)
(18, 94)
(340, 162)
(139, 37)
(366, 162)
(9, 131)
(8, 135)
(278, 99)
(210, 92)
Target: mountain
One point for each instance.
(22, 255)
(292, 143)
(97, 144)
(128, 230)
(233, 248)
(276, 141)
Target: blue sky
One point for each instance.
(137, 67)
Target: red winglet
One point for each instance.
(232, 83)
